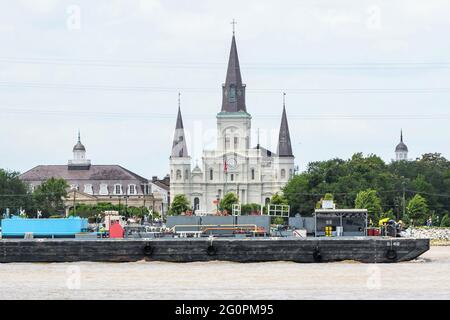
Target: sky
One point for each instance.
(355, 73)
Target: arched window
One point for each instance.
(178, 174)
(186, 175)
(283, 174)
(236, 143)
(253, 174)
(211, 174)
(232, 94)
(267, 201)
(227, 143)
(196, 204)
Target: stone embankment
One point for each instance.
(438, 236)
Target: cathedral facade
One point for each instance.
(253, 173)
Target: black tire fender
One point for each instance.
(211, 250)
(391, 254)
(317, 256)
(148, 250)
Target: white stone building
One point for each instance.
(255, 174)
(93, 184)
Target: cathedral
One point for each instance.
(253, 173)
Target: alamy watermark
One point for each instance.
(73, 21)
(73, 280)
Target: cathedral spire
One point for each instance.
(284, 140)
(179, 148)
(233, 89)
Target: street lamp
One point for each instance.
(217, 202)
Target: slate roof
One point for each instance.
(401, 147)
(79, 146)
(233, 80)
(95, 172)
(179, 147)
(265, 152)
(284, 140)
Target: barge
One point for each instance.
(254, 249)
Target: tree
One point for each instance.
(297, 192)
(50, 195)
(417, 210)
(228, 201)
(368, 199)
(278, 199)
(251, 208)
(428, 175)
(14, 193)
(328, 197)
(180, 204)
(445, 222)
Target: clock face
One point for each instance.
(232, 163)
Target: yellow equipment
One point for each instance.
(382, 222)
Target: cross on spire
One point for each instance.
(234, 23)
(79, 136)
(179, 100)
(284, 99)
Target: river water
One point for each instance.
(425, 278)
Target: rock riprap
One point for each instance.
(428, 233)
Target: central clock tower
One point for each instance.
(233, 122)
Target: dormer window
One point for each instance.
(132, 189)
(88, 189)
(117, 189)
(103, 189)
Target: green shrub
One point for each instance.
(445, 222)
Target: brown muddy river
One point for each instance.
(425, 278)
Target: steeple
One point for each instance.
(284, 140)
(233, 99)
(79, 146)
(401, 151)
(179, 148)
(79, 161)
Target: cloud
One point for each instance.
(39, 6)
(144, 42)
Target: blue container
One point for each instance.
(17, 227)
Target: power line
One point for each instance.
(120, 88)
(157, 115)
(430, 194)
(138, 63)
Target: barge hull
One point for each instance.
(364, 249)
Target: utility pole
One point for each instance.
(404, 196)
(74, 204)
